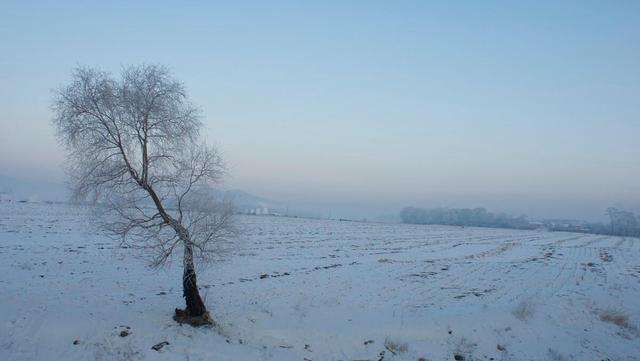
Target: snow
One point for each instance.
(330, 287)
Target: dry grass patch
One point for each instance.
(616, 317)
(621, 319)
(395, 347)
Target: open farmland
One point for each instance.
(302, 289)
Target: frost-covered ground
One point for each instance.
(333, 291)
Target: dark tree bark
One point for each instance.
(195, 306)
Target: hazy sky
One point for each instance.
(524, 106)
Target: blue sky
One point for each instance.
(521, 106)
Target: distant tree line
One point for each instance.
(476, 217)
(621, 223)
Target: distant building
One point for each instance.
(259, 211)
(537, 224)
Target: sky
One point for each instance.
(362, 107)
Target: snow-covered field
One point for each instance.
(300, 289)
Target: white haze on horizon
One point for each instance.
(365, 108)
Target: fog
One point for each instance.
(362, 110)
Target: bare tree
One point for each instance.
(135, 152)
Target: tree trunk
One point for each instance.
(195, 306)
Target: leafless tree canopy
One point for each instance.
(135, 150)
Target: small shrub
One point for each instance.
(523, 311)
(395, 347)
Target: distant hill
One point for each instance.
(16, 189)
